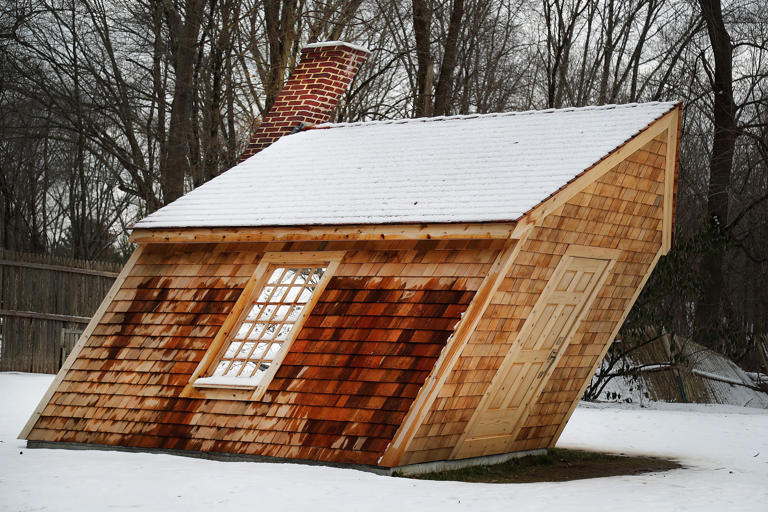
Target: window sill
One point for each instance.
(219, 382)
(218, 388)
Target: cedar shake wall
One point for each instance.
(622, 210)
(342, 390)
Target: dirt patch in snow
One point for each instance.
(557, 465)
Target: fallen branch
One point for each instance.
(699, 373)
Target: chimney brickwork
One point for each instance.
(311, 93)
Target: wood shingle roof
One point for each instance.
(477, 168)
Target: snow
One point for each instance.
(479, 168)
(724, 449)
(715, 376)
(325, 44)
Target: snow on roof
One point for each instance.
(325, 44)
(477, 168)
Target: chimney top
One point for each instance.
(325, 44)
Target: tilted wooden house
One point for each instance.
(382, 293)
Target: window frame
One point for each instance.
(254, 286)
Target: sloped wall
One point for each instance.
(342, 390)
(622, 210)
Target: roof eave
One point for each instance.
(340, 232)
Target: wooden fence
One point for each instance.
(45, 303)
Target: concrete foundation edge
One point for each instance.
(450, 465)
(408, 470)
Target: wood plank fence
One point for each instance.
(45, 303)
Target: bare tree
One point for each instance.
(111, 108)
(723, 143)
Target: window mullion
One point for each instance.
(278, 326)
(250, 329)
(256, 321)
(269, 321)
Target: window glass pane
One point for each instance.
(282, 333)
(242, 332)
(253, 313)
(262, 369)
(248, 369)
(305, 295)
(245, 350)
(232, 350)
(272, 352)
(259, 352)
(274, 277)
(234, 369)
(269, 332)
(295, 312)
(221, 367)
(317, 275)
(288, 276)
(256, 333)
(268, 310)
(293, 293)
(281, 312)
(278, 296)
(304, 276)
(265, 293)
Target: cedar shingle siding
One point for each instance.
(339, 395)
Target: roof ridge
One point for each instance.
(611, 106)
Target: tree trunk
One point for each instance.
(176, 166)
(422, 19)
(280, 22)
(724, 139)
(445, 81)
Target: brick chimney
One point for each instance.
(311, 93)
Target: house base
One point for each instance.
(449, 465)
(408, 470)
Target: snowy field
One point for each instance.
(724, 449)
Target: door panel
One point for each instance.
(534, 355)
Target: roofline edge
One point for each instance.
(350, 232)
(602, 166)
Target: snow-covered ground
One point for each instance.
(724, 449)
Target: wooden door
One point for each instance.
(534, 355)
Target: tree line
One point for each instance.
(110, 109)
